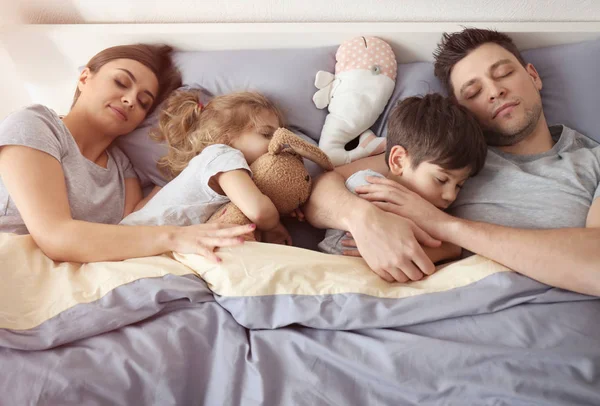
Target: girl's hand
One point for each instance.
(297, 214)
(203, 239)
(277, 235)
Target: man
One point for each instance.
(534, 208)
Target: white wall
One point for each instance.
(174, 11)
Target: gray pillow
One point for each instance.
(570, 92)
(286, 76)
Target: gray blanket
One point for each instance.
(506, 340)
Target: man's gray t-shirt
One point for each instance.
(188, 199)
(95, 194)
(554, 189)
(332, 243)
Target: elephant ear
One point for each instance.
(323, 82)
(284, 140)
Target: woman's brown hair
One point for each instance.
(157, 58)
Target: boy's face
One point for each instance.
(437, 185)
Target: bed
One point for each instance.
(275, 325)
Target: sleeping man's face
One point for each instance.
(503, 95)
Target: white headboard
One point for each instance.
(40, 62)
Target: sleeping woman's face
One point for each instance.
(118, 96)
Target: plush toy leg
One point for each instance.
(368, 145)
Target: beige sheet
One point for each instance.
(257, 269)
(34, 288)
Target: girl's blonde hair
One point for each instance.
(188, 127)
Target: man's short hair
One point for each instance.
(455, 46)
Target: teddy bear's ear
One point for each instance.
(284, 139)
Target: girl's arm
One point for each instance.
(133, 195)
(243, 192)
(146, 199)
(35, 182)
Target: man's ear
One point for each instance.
(398, 160)
(83, 78)
(535, 76)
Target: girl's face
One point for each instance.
(118, 96)
(254, 142)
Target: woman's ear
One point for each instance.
(83, 78)
(398, 160)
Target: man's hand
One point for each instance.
(391, 246)
(394, 198)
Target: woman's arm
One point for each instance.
(243, 192)
(35, 182)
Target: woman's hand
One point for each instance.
(203, 239)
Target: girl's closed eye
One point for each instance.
(441, 180)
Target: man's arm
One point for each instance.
(567, 258)
(375, 163)
(378, 235)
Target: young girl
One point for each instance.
(210, 152)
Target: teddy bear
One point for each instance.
(364, 80)
(280, 175)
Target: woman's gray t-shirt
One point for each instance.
(95, 194)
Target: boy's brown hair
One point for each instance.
(434, 129)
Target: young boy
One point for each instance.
(433, 147)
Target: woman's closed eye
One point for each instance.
(472, 95)
(120, 84)
(144, 104)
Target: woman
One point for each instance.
(64, 182)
